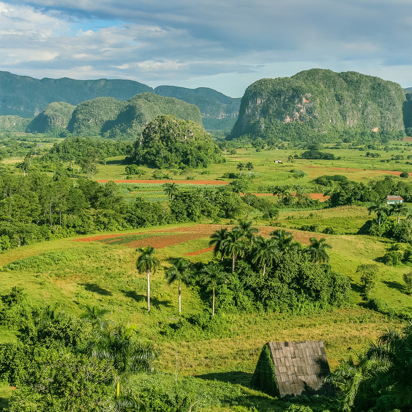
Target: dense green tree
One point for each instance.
(265, 252)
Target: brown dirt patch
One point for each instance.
(180, 182)
(199, 252)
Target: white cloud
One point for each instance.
(199, 43)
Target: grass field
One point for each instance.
(100, 270)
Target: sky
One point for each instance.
(223, 44)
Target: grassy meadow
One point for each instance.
(99, 270)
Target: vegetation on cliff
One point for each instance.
(112, 118)
(317, 102)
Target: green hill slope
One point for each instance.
(218, 110)
(13, 123)
(112, 118)
(321, 101)
(27, 97)
(53, 119)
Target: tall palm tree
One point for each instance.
(147, 263)
(265, 252)
(180, 271)
(250, 167)
(216, 239)
(399, 209)
(317, 250)
(240, 166)
(233, 246)
(245, 227)
(283, 239)
(381, 210)
(171, 189)
(213, 275)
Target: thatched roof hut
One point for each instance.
(292, 368)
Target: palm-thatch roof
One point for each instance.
(293, 368)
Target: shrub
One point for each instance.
(369, 276)
(407, 278)
(404, 174)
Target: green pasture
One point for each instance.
(104, 274)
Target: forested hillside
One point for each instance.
(53, 119)
(112, 118)
(218, 111)
(13, 123)
(27, 97)
(320, 101)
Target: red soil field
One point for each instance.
(185, 234)
(199, 252)
(180, 182)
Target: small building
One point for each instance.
(393, 200)
(293, 368)
(278, 161)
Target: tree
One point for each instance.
(250, 167)
(407, 278)
(233, 246)
(381, 209)
(180, 271)
(213, 275)
(399, 209)
(368, 276)
(147, 263)
(246, 229)
(265, 252)
(284, 240)
(217, 240)
(291, 159)
(240, 166)
(171, 189)
(317, 250)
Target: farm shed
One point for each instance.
(292, 368)
(392, 200)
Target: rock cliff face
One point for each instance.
(320, 100)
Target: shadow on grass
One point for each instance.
(242, 378)
(92, 287)
(116, 162)
(395, 285)
(356, 288)
(156, 303)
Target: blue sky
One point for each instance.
(222, 44)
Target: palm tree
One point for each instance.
(233, 246)
(381, 209)
(250, 167)
(399, 209)
(291, 159)
(317, 250)
(147, 263)
(283, 239)
(246, 230)
(265, 252)
(171, 189)
(213, 275)
(216, 239)
(240, 167)
(179, 271)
